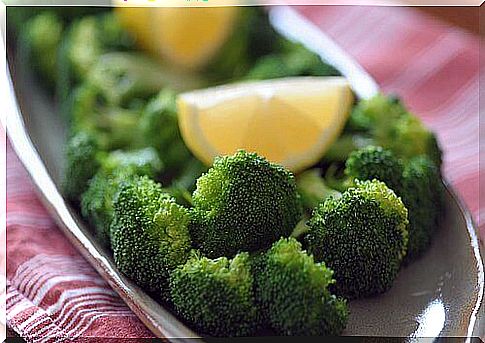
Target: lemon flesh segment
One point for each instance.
(184, 37)
(290, 121)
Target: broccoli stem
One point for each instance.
(344, 145)
(301, 228)
(313, 189)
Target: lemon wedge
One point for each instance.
(185, 37)
(290, 121)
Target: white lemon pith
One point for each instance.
(290, 121)
(184, 37)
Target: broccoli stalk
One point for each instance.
(243, 203)
(313, 189)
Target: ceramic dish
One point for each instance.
(438, 295)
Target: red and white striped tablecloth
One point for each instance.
(52, 292)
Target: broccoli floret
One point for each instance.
(340, 150)
(111, 103)
(91, 36)
(159, 128)
(243, 203)
(124, 76)
(83, 47)
(295, 60)
(86, 40)
(117, 167)
(113, 126)
(292, 291)
(364, 164)
(269, 67)
(17, 16)
(97, 203)
(149, 234)
(411, 138)
(375, 163)
(416, 181)
(313, 189)
(140, 162)
(82, 162)
(384, 121)
(304, 62)
(41, 38)
(216, 296)
(252, 37)
(381, 110)
(422, 194)
(362, 236)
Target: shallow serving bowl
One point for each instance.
(439, 295)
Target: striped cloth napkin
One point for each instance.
(52, 292)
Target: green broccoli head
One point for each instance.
(252, 37)
(293, 292)
(124, 76)
(97, 203)
(294, 60)
(422, 195)
(417, 182)
(304, 62)
(17, 15)
(410, 138)
(269, 67)
(243, 203)
(84, 46)
(117, 167)
(381, 110)
(112, 125)
(374, 162)
(139, 162)
(362, 236)
(41, 37)
(216, 296)
(82, 162)
(149, 234)
(384, 121)
(89, 37)
(158, 128)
